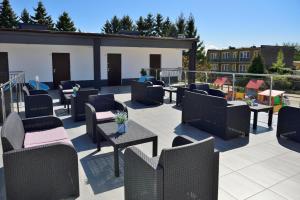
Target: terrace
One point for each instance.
(260, 166)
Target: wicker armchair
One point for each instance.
(38, 167)
(215, 115)
(66, 87)
(37, 103)
(289, 123)
(189, 170)
(97, 107)
(147, 93)
(78, 103)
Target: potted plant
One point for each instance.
(143, 72)
(75, 90)
(121, 119)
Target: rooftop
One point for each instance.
(256, 167)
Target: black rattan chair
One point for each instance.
(288, 124)
(147, 93)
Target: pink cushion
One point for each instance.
(104, 116)
(46, 137)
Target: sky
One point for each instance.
(220, 23)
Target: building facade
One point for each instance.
(89, 58)
(239, 59)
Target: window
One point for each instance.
(225, 55)
(243, 68)
(234, 55)
(233, 68)
(244, 54)
(213, 56)
(225, 67)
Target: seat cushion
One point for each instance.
(68, 91)
(44, 137)
(105, 116)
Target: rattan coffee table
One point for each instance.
(136, 134)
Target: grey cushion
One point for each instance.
(12, 133)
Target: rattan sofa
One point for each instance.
(147, 93)
(100, 109)
(37, 103)
(199, 88)
(215, 115)
(288, 124)
(188, 170)
(78, 103)
(39, 160)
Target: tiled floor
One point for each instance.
(256, 168)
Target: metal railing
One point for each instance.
(236, 87)
(11, 93)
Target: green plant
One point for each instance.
(143, 72)
(257, 66)
(121, 117)
(240, 89)
(282, 83)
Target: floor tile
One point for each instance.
(289, 188)
(266, 195)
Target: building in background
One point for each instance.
(239, 59)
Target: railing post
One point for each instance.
(233, 86)
(156, 74)
(11, 96)
(3, 103)
(206, 77)
(169, 78)
(271, 88)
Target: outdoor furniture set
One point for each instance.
(39, 160)
(37, 103)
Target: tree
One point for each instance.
(107, 28)
(158, 27)
(180, 24)
(8, 18)
(190, 29)
(126, 23)
(257, 66)
(279, 65)
(115, 24)
(65, 23)
(149, 25)
(166, 27)
(25, 17)
(141, 26)
(41, 16)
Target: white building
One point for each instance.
(91, 59)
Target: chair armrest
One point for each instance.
(143, 177)
(182, 140)
(40, 123)
(89, 108)
(238, 119)
(36, 92)
(121, 106)
(52, 169)
(60, 87)
(90, 113)
(159, 82)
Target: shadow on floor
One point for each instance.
(99, 170)
(220, 144)
(83, 143)
(69, 123)
(260, 129)
(115, 90)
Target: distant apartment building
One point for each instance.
(239, 59)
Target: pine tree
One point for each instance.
(180, 24)
(149, 25)
(126, 23)
(141, 26)
(257, 65)
(279, 64)
(115, 24)
(190, 29)
(107, 27)
(158, 28)
(41, 16)
(25, 17)
(65, 23)
(8, 18)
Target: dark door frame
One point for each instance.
(114, 73)
(66, 72)
(4, 67)
(153, 67)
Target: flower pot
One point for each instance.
(122, 128)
